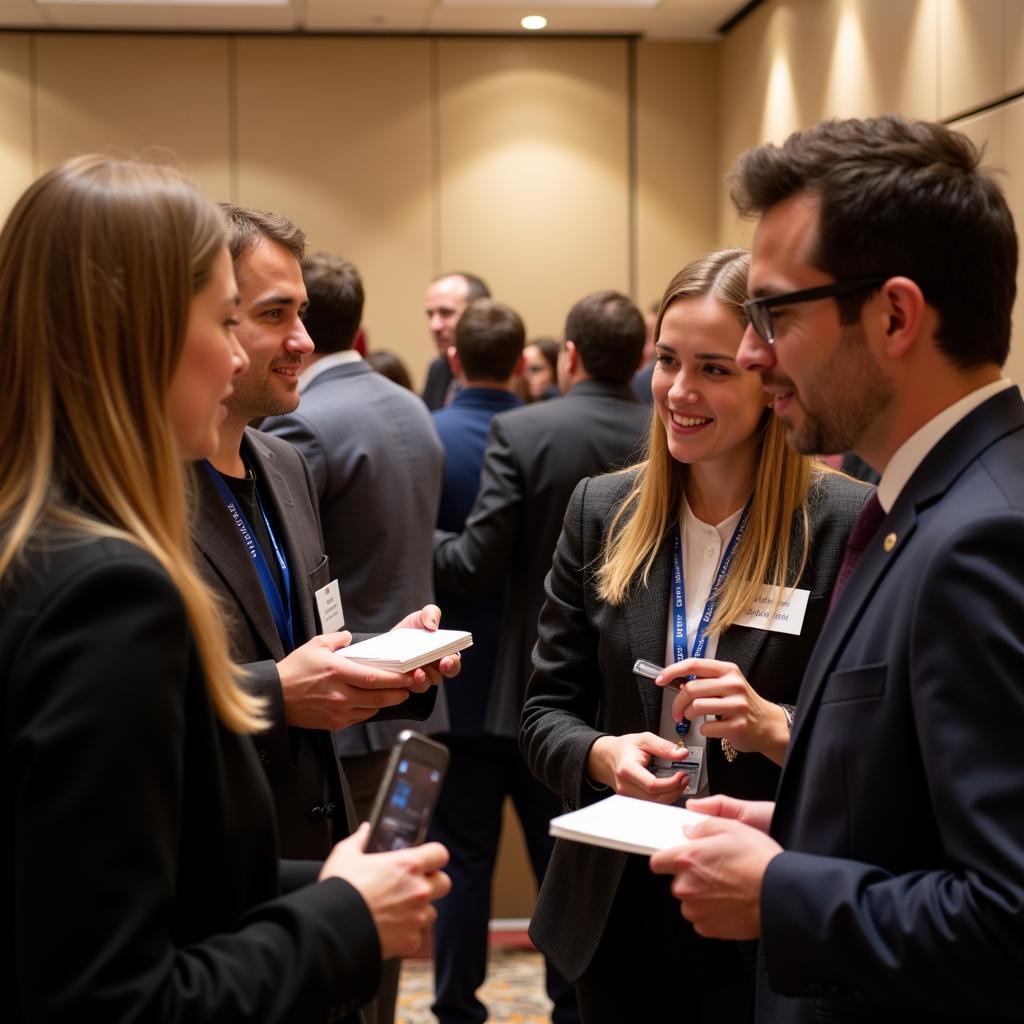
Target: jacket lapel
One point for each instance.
(992, 420)
(218, 541)
(646, 614)
(282, 503)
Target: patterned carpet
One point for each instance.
(513, 993)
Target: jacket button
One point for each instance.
(329, 809)
(266, 757)
(316, 814)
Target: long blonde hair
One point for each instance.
(99, 262)
(782, 480)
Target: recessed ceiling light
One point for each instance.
(533, 22)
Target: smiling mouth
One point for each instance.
(689, 421)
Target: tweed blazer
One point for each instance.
(583, 687)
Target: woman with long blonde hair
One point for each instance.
(715, 556)
(140, 853)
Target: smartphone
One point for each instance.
(408, 793)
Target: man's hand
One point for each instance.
(718, 874)
(324, 691)
(398, 887)
(755, 813)
(620, 762)
(429, 618)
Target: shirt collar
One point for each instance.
(912, 452)
(307, 377)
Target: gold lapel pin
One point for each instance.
(890, 542)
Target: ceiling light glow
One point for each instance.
(534, 22)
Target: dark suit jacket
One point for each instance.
(535, 457)
(463, 428)
(139, 848)
(301, 764)
(583, 687)
(376, 466)
(439, 376)
(901, 805)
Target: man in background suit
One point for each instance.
(376, 467)
(484, 769)
(886, 882)
(534, 458)
(447, 298)
(264, 557)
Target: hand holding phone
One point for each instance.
(399, 888)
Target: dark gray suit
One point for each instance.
(376, 465)
(300, 763)
(535, 457)
(583, 687)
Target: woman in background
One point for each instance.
(140, 854)
(663, 562)
(540, 370)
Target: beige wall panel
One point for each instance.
(676, 161)
(136, 95)
(970, 54)
(534, 169)
(1013, 46)
(1012, 159)
(794, 62)
(16, 158)
(336, 133)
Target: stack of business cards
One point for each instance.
(402, 650)
(627, 824)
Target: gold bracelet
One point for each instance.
(729, 750)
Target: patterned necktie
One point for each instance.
(871, 516)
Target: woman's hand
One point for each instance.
(620, 762)
(748, 721)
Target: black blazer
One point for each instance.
(900, 896)
(439, 377)
(583, 687)
(535, 457)
(139, 847)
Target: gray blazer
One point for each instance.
(377, 466)
(583, 687)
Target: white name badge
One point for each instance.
(328, 603)
(788, 617)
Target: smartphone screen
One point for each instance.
(407, 804)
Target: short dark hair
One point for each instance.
(336, 297)
(246, 227)
(489, 339)
(907, 198)
(475, 286)
(608, 332)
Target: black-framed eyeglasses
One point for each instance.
(759, 310)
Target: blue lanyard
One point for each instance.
(700, 639)
(280, 604)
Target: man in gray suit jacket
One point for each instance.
(376, 465)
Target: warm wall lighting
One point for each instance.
(534, 22)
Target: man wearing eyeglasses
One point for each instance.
(887, 880)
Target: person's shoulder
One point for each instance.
(601, 494)
(276, 449)
(55, 562)
(839, 490)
